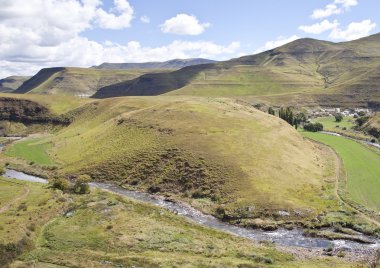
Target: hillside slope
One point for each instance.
(171, 64)
(224, 158)
(75, 81)
(319, 69)
(11, 83)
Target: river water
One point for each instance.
(280, 237)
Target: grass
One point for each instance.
(57, 104)
(32, 150)
(111, 230)
(239, 158)
(348, 123)
(361, 165)
(70, 81)
(8, 191)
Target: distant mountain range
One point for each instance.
(171, 64)
(305, 72)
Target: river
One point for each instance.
(281, 237)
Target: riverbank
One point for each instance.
(293, 241)
(116, 231)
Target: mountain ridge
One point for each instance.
(304, 66)
(170, 64)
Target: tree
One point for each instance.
(338, 117)
(81, 185)
(271, 111)
(287, 115)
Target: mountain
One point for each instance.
(12, 82)
(75, 81)
(171, 64)
(305, 71)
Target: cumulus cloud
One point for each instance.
(276, 43)
(145, 19)
(82, 52)
(35, 34)
(184, 24)
(320, 27)
(119, 17)
(353, 31)
(335, 8)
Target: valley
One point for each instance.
(196, 163)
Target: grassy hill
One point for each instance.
(372, 127)
(306, 70)
(225, 158)
(75, 81)
(11, 83)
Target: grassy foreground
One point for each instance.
(112, 231)
(362, 166)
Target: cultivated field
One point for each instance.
(361, 165)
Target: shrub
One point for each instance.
(2, 170)
(362, 120)
(338, 117)
(60, 184)
(313, 127)
(81, 185)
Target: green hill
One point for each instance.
(222, 157)
(324, 72)
(11, 83)
(75, 81)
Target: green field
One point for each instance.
(362, 166)
(32, 150)
(345, 127)
(330, 124)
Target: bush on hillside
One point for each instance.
(362, 120)
(313, 127)
(81, 186)
(60, 184)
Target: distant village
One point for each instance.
(356, 112)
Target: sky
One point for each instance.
(36, 34)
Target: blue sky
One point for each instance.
(252, 23)
(46, 33)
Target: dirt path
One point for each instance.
(338, 169)
(22, 196)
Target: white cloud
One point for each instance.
(347, 3)
(279, 42)
(329, 10)
(145, 19)
(119, 17)
(32, 38)
(81, 52)
(320, 27)
(184, 24)
(353, 31)
(335, 8)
